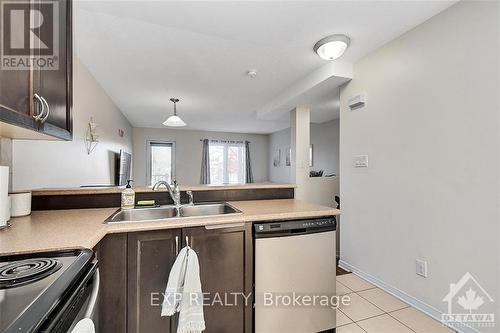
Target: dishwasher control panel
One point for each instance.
(296, 226)
(318, 223)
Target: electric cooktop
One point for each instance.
(32, 286)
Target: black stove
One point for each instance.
(43, 292)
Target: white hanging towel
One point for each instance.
(173, 292)
(183, 293)
(191, 318)
(84, 326)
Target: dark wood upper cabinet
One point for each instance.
(55, 86)
(151, 255)
(48, 92)
(14, 92)
(14, 84)
(226, 267)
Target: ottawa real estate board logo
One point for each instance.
(29, 35)
(467, 301)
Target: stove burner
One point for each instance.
(26, 271)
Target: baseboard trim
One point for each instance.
(419, 305)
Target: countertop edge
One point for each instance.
(98, 230)
(201, 222)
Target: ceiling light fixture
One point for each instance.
(174, 121)
(332, 47)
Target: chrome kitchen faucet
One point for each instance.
(174, 193)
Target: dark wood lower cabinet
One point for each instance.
(226, 269)
(112, 256)
(135, 268)
(151, 255)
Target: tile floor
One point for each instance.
(372, 310)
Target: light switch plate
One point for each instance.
(421, 268)
(361, 161)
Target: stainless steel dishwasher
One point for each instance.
(294, 260)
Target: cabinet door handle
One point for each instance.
(176, 245)
(38, 116)
(48, 109)
(225, 225)
(187, 240)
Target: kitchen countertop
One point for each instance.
(76, 228)
(143, 189)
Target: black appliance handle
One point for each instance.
(93, 296)
(67, 313)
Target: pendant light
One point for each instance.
(175, 120)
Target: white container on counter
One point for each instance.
(20, 204)
(4, 198)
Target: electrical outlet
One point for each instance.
(421, 268)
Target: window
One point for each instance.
(161, 161)
(227, 162)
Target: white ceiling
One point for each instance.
(323, 100)
(144, 52)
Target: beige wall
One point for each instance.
(39, 164)
(279, 140)
(188, 152)
(325, 141)
(431, 130)
(324, 137)
(300, 129)
(323, 190)
(319, 190)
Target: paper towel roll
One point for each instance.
(4, 194)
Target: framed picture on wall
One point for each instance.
(277, 158)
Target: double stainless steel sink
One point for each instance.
(171, 212)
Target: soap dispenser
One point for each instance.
(128, 196)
